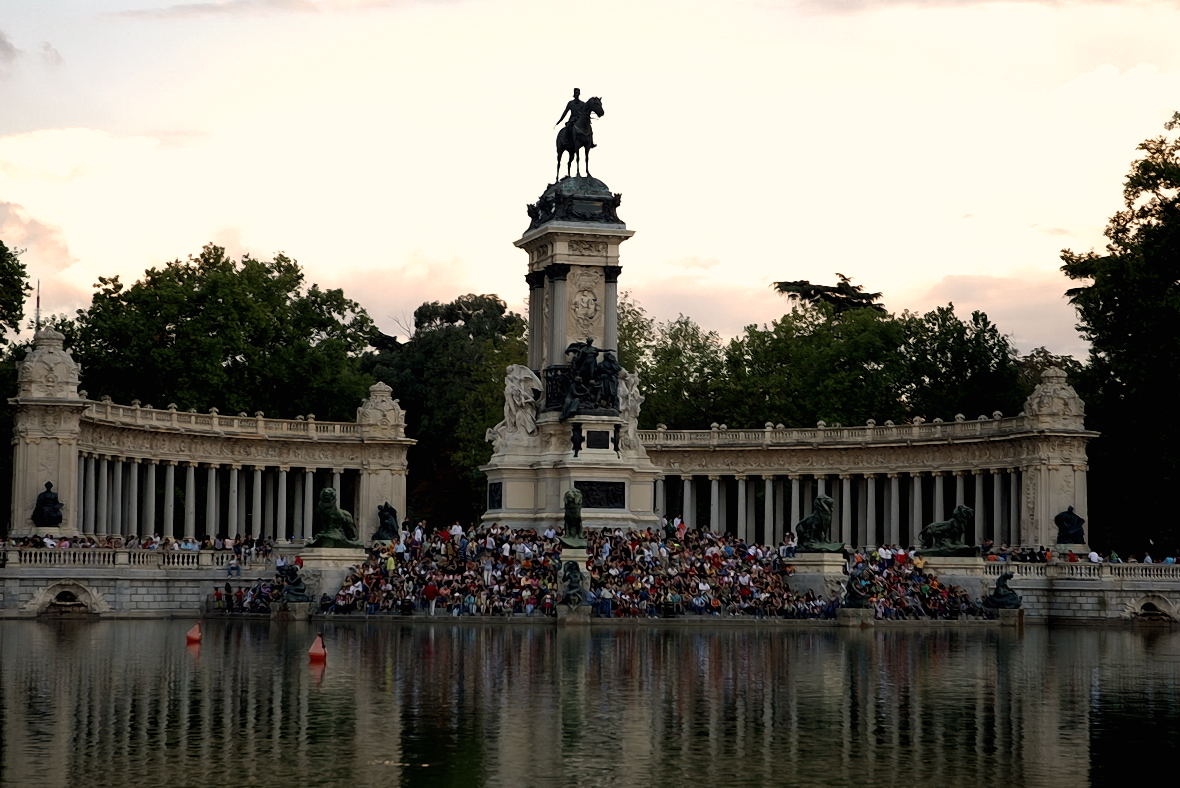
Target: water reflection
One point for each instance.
(127, 703)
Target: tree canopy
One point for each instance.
(842, 296)
(241, 336)
(14, 290)
(1128, 307)
(449, 376)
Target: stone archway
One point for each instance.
(1152, 607)
(67, 597)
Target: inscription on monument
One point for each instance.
(603, 495)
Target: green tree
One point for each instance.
(841, 297)
(636, 333)
(681, 375)
(1129, 310)
(958, 366)
(240, 336)
(449, 376)
(14, 290)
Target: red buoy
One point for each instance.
(194, 634)
(317, 652)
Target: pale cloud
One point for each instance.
(50, 56)
(47, 259)
(251, 7)
(8, 53)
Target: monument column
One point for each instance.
(795, 516)
(149, 498)
(190, 500)
(979, 502)
(742, 501)
(960, 493)
(231, 501)
(557, 273)
(893, 526)
(661, 498)
(256, 501)
(212, 527)
(714, 504)
(686, 499)
(939, 513)
(870, 529)
(846, 508)
(281, 515)
(104, 514)
(536, 283)
(91, 488)
(915, 506)
(998, 507)
(117, 525)
(769, 527)
(610, 330)
(169, 529)
(1014, 504)
(133, 497)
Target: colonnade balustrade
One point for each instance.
(868, 509)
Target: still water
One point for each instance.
(127, 703)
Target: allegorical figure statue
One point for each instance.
(1069, 527)
(294, 589)
(1003, 597)
(522, 388)
(573, 513)
(386, 523)
(592, 384)
(47, 509)
(577, 135)
(573, 592)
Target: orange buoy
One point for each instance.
(194, 634)
(317, 652)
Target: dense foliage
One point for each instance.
(449, 376)
(14, 290)
(1129, 310)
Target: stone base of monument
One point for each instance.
(1012, 618)
(573, 615)
(853, 617)
(818, 563)
(326, 567)
(296, 611)
(1061, 550)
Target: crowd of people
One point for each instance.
(898, 587)
(490, 571)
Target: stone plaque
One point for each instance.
(603, 495)
(495, 495)
(597, 439)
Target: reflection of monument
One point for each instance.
(570, 416)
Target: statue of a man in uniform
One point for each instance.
(576, 109)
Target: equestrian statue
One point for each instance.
(577, 135)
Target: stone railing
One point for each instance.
(888, 432)
(1061, 570)
(15, 558)
(215, 424)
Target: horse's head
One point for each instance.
(595, 106)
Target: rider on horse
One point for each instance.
(579, 118)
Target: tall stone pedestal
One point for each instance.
(551, 441)
(328, 566)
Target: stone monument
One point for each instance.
(570, 415)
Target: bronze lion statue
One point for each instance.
(947, 534)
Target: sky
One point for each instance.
(936, 150)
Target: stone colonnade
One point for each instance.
(136, 470)
(886, 481)
(867, 508)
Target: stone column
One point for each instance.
(536, 282)
(104, 514)
(149, 498)
(915, 506)
(610, 310)
(308, 503)
(256, 501)
(1014, 505)
(795, 516)
(821, 486)
(169, 528)
(557, 309)
(133, 497)
(240, 526)
(846, 508)
(268, 506)
(686, 499)
(780, 510)
(231, 501)
(939, 513)
(714, 504)
(79, 508)
(661, 498)
(212, 526)
(281, 533)
(960, 492)
(190, 500)
(979, 502)
(870, 511)
(742, 501)
(893, 526)
(336, 478)
(998, 507)
(91, 488)
(117, 523)
(770, 528)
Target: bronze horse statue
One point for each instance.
(576, 136)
